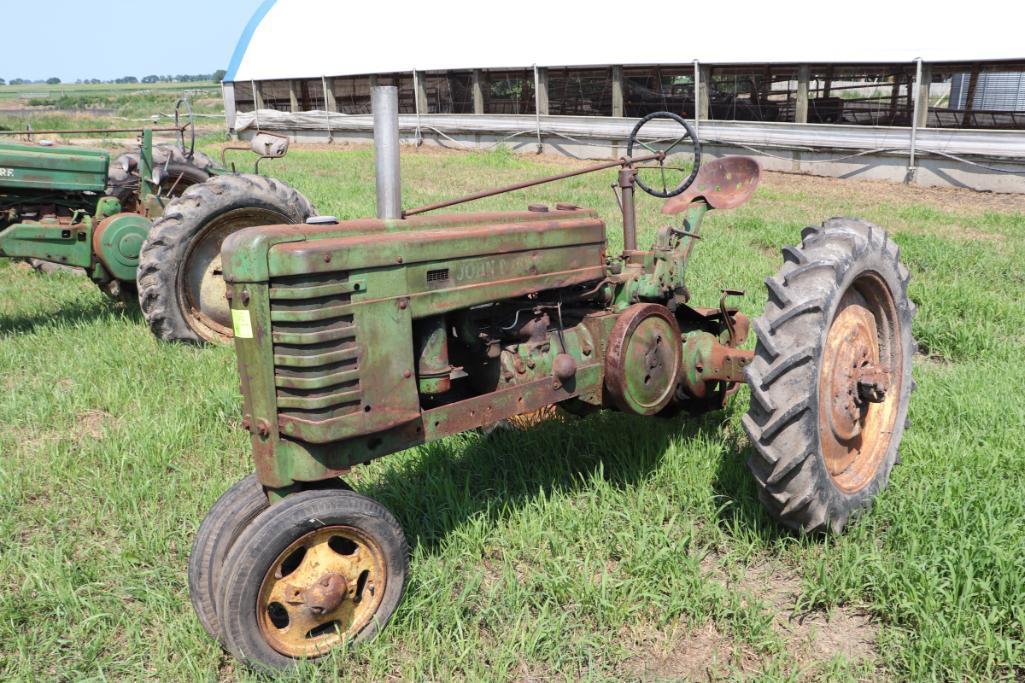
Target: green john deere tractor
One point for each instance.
(150, 225)
(366, 337)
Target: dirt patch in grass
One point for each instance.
(700, 654)
(811, 640)
(93, 424)
(833, 190)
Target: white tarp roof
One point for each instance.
(310, 38)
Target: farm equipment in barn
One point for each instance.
(150, 225)
(366, 337)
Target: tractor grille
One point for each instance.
(316, 357)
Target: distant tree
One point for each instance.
(3, 82)
(126, 79)
(53, 80)
(218, 75)
(152, 78)
(18, 81)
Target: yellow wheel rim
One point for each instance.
(321, 591)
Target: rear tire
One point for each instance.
(821, 455)
(181, 287)
(123, 175)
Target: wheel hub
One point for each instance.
(326, 594)
(321, 590)
(857, 399)
(853, 357)
(202, 289)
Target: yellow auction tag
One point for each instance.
(242, 323)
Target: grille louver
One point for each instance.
(316, 357)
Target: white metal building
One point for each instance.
(876, 89)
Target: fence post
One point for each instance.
(420, 86)
(910, 176)
(801, 105)
(922, 96)
(540, 102)
(478, 91)
(541, 90)
(329, 94)
(257, 95)
(418, 136)
(618, 107)
(329, 104)
(701, 74)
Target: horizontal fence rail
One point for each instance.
(988, 144)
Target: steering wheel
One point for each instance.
(688, 132)
(189, 152)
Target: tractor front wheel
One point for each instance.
(831, 377)
(223, 524)
(180, 280)
(319, 569)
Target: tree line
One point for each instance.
(216, 76)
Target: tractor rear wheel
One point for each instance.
(123, 178)
(181, 284)
(831, 377)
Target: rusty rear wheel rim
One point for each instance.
(322, 590)
(201, 288)
(860, 383)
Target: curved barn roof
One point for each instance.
(308, 38)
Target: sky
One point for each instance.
(73, 39)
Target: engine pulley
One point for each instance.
(642, 363)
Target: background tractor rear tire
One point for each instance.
(808, 478)
(175, 178)
(123, 176)
(181, 287)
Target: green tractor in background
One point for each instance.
(149, 226)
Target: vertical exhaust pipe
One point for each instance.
(384, 102)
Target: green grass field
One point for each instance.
(606, 548)
(70, 106)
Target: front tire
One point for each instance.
(317, 570)
(836, 329)
(229, 516)
(181, 284)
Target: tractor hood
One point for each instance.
(31, 167)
